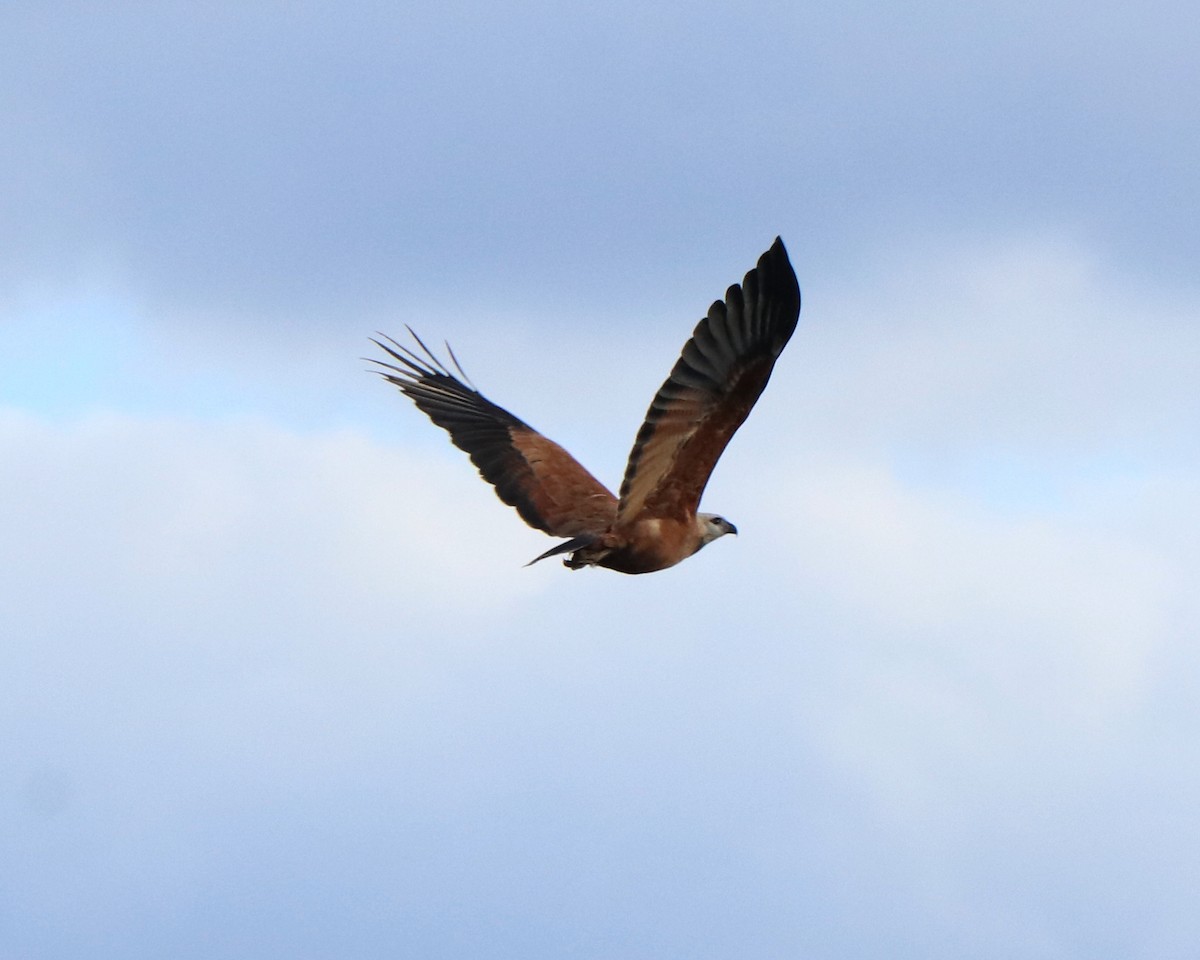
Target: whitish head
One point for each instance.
(712, 526)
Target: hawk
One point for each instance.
(655, 521)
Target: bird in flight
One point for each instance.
(655, 522)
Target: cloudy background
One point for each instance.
(273, 680)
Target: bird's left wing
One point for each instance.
(549, 488)
(711, 390)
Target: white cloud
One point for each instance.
(177, 582)
(1023, 343)
(235, 510)
(983, 648)
(239, 645)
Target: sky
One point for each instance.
(274, 681)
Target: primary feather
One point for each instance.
(547, 486)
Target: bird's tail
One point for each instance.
(567, 546)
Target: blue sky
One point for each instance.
(274, 679)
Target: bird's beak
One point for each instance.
(732, 528)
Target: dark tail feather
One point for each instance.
(567, 546)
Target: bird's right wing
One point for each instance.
(549, 488)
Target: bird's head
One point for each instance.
(713, 526)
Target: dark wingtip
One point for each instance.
(778, 277)
(776, 253)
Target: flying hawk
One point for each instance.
(654, 523)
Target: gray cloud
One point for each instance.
(307, 161)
